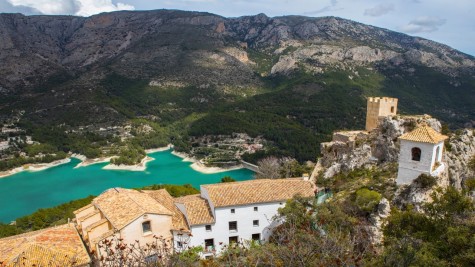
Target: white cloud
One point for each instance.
(423, 24)
(379, 10)
(50, 7)
(91, 7)
(7, 7)
(70, 7)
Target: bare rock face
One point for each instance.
(412, 194)
(285, 65)
(458, 152)
(238, 54)
(377, 219)
(341, 157)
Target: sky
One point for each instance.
(450, 22)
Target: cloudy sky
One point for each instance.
(449, 22)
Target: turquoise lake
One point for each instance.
(25, 192)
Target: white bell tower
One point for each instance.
(420, 152)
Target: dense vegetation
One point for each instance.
(17, 160)
(174, 190)
(44, 218)
(444, 235)
(295, 113)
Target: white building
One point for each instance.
(420, 152)
(237, 212)
(221, 214)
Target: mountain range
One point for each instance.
(288, 78)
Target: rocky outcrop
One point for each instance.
(459, 149)
(343, 157)
(285, 65)
(377, 220)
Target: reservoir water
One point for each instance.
(25, 192)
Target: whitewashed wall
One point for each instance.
(244, 215)
(409, 169)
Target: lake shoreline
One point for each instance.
(196, 165)
(86, 162)
(35, 167)
(200, 167)
(142, 166)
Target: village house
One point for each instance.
(55, 246)
(133, 216)
(221, 214)
(229, 213)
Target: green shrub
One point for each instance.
(471, 163)
(470, 184)
(425, 181)
(367, 200)
(227, 179)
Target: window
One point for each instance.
(146, 227)
(179, 244)
(208, 228)
(256, 208)
(255, 223)
(416, 154)
(392, 109)
(256, 237)
(209, 245)
(233, 211)
(233, 239)
(233, 226)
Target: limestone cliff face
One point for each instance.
(459, 150)
(342, 157)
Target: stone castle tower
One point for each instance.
(421, 152)
(378, 107)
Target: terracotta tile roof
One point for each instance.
(197, 209)
(164, 198)
(424, 134)
(47, 247)
(90, 214)
(83, 208)
(122, 206)
(257, 191)
(96, 224)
